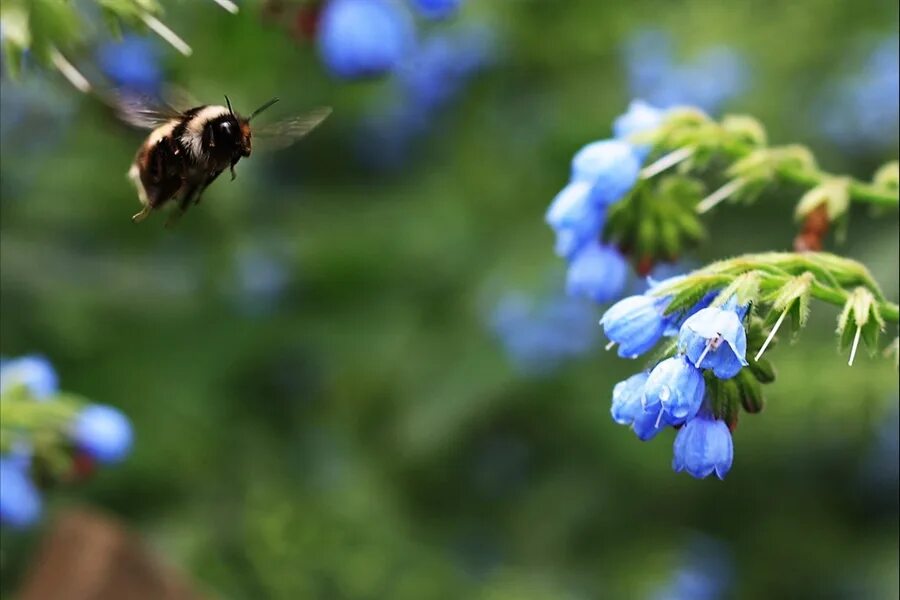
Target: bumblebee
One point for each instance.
(188, 150)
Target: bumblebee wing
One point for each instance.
(141, 111)
(282, 134)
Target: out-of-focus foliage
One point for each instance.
(320, 407)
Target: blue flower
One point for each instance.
(363, 38)
(703, 446)
(640, 118)
(103, 433)
(714, 338)
(33, 371)
(430, 77)
(132, 64)
(626, 399)
(635, 323)
(611, 166)
(676, 320)
(676, 387)
(597, 272)
(649, 422)
(574, 217)
(20, 501)
(436, 9)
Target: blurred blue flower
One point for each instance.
(881, 467)
(32, 371)
(864, 108)
(597, 272)
(640, 118)
(635, 323)
(611, 166)
(436, 9)
(703, 446)
(20, 501)
(626, 399)
(364, 38)
(538, 334)
(433, 73)
(34, 113)
(714, 338)
(676, 387)
(575, 218)
(713, 77)
(103, 433)
(132, 64)
(262, 277)
(705, 572)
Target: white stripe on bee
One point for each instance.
(192, 138)
(163, 131)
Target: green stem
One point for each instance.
(833, 273)
(859, 192)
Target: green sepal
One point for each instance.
(744, 288)
(888, 176)
(750, 391)
(725, 398)
(762, 370)
(860, 312)
(833, 194)
(744, 129)
(794, 297)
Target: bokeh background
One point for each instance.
(352, 372)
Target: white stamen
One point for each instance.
(719, 195)
(704, 353)
(771, 335)
(228, 5)
(669, 160)
(658, 419)
(167, 34)
(69, 71)
(855, 346)
(610, 345)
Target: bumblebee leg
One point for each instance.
(233, 174)
(189, 197)
(145, 212)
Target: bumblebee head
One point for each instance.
(245, 145)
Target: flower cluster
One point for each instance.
(603, 173)
(62, 26)
(74, 435)
(367, 38)
(711, 344)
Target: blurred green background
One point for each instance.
(320, 407)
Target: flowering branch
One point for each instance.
(720, 320)
(48, 29)
(47, 436)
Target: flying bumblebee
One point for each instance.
(187, 150)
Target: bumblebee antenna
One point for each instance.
(228, 102)
(262, 108)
